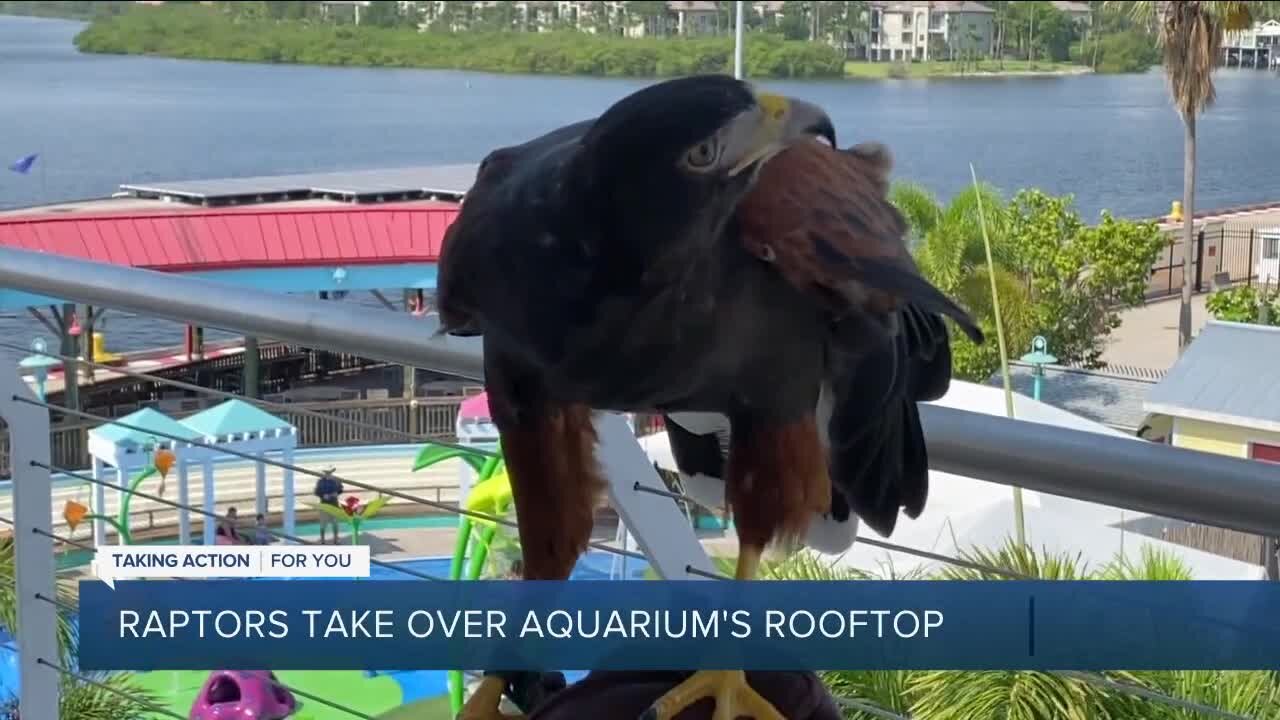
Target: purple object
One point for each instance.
(242, 695)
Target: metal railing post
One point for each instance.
(1199, 288)
(1248, 265)
(655, 522)
(37, 630)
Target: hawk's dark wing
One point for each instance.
(511, 183)
(822, 217)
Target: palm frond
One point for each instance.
(1153, 563)
(66, 592)
(86, 701)
(963, 219)
(1249, 693)
(1022, 559)
(974, 294)
(887, 689)
(918, 206)
(78, 700)
(1191, 34)
(944, 695)
(805, 565)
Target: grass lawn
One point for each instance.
(861, 69)
(436, 708)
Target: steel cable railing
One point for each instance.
(444, 507)
(275, 682)
(849, 703)
(75, 543)
(60, 538)
(1149, 694)
(215, 516)
(279, 407)
(71, 608)
(81, 677)
(68, 607)
(958, 562)
(1091, 678)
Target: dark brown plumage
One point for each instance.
(814, 212)
(696, 250)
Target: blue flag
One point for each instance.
(23, 165)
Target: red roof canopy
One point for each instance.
(237, 238)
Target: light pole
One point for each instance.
(39, 363)
(1038, 358)
(737, 40)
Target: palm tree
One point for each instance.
(78, 700)
(1028, 695)
(1190, 32)
(947, 244)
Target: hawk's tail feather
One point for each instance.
(910, 287)
(878, 455)
(886, 469)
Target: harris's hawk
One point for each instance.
(697, 249)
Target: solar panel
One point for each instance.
(446, 181)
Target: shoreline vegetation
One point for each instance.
(61, 9)
(207, 34)
(867, 70)
(204, 33)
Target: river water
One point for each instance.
(98, 121)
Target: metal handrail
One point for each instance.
(1230, 492)
(395, 337)
(1114, 471)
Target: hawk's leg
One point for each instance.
(526, 689)
(549, 451)
(485, 702)
(734, 697)
(776, 481)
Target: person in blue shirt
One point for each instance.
(328, 488)
(260, 534)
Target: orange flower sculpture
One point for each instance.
(73, 512)
(163, 461)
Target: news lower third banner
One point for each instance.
(685, 625)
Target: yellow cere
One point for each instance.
(775, 106)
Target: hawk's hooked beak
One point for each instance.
(774, 123)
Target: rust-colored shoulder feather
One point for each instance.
(822, 217)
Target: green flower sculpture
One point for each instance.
(353, 513)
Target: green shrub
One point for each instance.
(899, 71)
(1131, 51)
(1243, 304)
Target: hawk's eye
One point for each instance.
(703, 155)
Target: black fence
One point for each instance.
(1221, 256)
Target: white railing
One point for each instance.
(1157, 479)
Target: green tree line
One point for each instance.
(73, 9)
(207, 33)
(1055, 275)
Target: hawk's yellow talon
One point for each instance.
(484, 703)
(734, 697)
